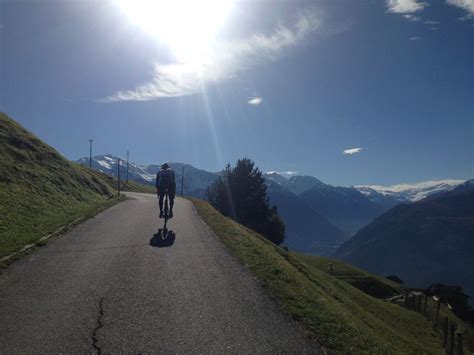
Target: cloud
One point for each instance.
(431, 22)
(414, 38)
(405, 6)
(467, 5)
(225, 59)
(255, 101)
(412, 18)
(352, 151)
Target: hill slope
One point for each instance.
(373, 285)
(428, 241)
(39, 189)
(343, 318)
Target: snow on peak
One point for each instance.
(104, 164)
(412, 192)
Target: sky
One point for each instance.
(349, 91)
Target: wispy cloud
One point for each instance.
(414, 38)
(352, 151)
(225, 59)
(405, 6)
(257, 100)
(412, 18)
(431, 22)
(467, 5)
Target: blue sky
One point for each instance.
(290, 84)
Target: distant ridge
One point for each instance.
(412, 192)
(428, 241)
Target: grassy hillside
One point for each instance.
(40, 191)
(371, 284)
(342, 317)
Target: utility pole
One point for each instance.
(127, 165)
(90, 153)
(118, 176)
(182, 182)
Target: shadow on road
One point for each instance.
(163, 238)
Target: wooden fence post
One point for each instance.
(426, 303)
(452, 330)
(459, 344)
(406, 300)
(445, 333)
(419, 304)
(437, 310)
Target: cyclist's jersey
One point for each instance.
(165, 180)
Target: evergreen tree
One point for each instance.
(241, 194)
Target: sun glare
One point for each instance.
(188, 27)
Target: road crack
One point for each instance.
(99, 326)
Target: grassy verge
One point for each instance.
(55, 224)
(343, 318)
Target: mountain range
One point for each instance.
(409, 192)
(307, 230)
(431, 240)
(318, 216)
(196, 181)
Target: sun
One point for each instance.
(188, 27)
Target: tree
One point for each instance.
(241, 194)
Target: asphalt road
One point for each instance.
(110, 286)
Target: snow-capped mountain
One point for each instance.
(196, 181)
(109, 164)
(275, 177)
(296, 184)
(410, 192)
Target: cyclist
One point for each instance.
(165, 181)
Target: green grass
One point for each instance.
(342, 318)
(371, 284)
(40, 191)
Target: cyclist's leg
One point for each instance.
(160, 203)
(171, 204)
